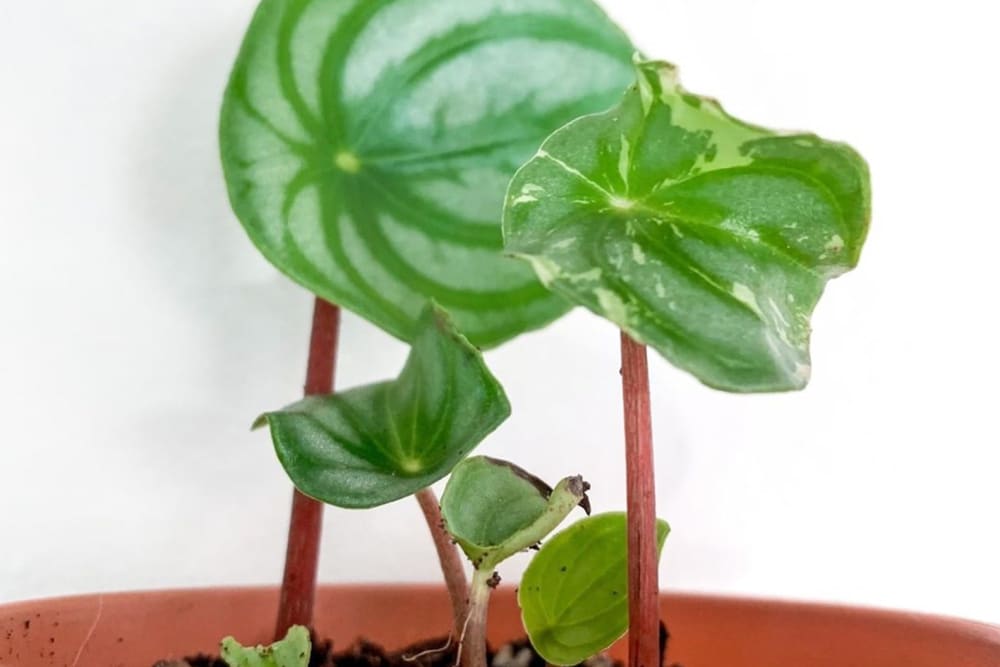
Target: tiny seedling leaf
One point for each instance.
(574, 594)
(709, 239)
(292, 651)
(367, 144)
(495, 509)
(375, 444)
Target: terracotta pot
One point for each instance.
(136, 629)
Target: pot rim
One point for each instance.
(985, 630)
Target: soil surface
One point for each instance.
(430, 653)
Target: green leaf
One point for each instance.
(367, 145)
(375, 444)
(574, 594)
(292, 651)
(704, 237)
(495, 509)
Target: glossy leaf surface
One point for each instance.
(367, 145)
(709, 239)
(292, 651)
(375, 444)
(494, 509)
(574, 594)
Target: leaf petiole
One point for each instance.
(643, 552)
(472, 644)
(298, 584)
(451, 562)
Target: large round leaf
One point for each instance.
(375, 444)
(574, 594)
(367, 145)
(702, 236)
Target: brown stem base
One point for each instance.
(644, 616)
(298, 586)
(472, 640)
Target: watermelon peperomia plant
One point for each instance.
(368, 146)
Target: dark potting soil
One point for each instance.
(429, 653)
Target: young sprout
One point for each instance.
(494, 510)
(292, 651)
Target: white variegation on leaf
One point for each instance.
(705, 237)
(367, 145)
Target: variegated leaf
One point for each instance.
(367, 145)
(707, 238)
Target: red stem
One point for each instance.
(452, 564)
(298, 587)
(643, 596)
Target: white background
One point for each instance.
(140, 333)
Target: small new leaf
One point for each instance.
(574, 594)
(495, 509)
(366, 145)
(707, 238)
(292, 651)
(371, 445)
